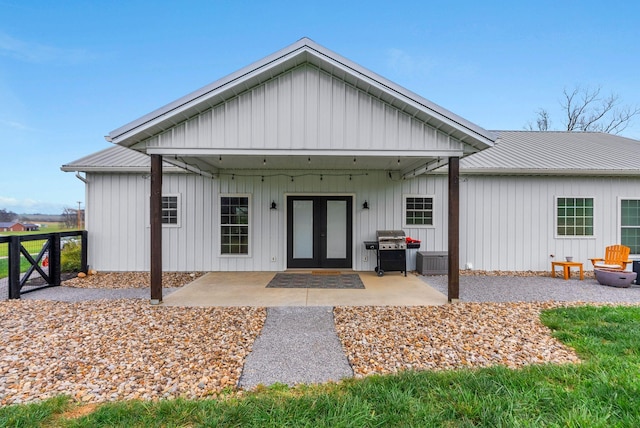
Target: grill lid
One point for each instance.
(390, 234)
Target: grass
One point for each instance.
(4, 266)
(602, 391)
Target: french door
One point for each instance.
(319, 231)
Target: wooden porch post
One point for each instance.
(454, 230)
(156, 229)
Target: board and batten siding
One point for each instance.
(304, 108)
(509, 222)
(118, 212)
(506, 222)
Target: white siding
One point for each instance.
(305, 108)
(119, 210)
(506, 223)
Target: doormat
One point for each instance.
(305, 280)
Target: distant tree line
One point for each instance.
(7, 216)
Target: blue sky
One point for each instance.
(72, 71)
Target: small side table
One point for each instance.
(566, 266)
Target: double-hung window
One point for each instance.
(170, 204)
(234, 224)
(574, 216)
(418, 210)
(630, 224)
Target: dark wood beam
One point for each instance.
(454, 230)
(155, 204)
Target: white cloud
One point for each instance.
(29, 206)
(406, 64)
(40, 53)
(15, 125)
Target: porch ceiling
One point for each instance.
(230, 163)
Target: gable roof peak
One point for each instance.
(303, 51)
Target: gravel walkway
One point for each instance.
(296, 345)
(480, 288)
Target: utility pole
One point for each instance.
(78, 216)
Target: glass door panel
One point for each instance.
(302, 229)
(336, 229)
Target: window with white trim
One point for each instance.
(630, 224)
(170, 210)
(574, 216)
(418, 210)
(234, 224)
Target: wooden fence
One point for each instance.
(46, 264)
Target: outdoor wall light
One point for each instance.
(365, 206)
(273, 205)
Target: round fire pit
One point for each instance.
(615, 278)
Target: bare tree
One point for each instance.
(586, 109)
(70, 218)
(543, 122)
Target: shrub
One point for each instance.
(70, 257)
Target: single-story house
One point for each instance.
(12, 226)
(296, 160)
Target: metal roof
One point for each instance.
(515, 152)
(556, 153)
(115, 159)
(301, 52)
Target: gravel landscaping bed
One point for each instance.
(123, 348)
(132, 280)
(108, 350)
(389, 339)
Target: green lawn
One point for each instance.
(4, 266)
(603, 391)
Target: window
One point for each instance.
(630, 224)
(574, 216)
(170, 210)
(234, 225)
(418, 210)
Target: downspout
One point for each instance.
(81, 178)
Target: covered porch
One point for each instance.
(313, 136)
(249, 289)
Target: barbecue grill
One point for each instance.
(391, 254)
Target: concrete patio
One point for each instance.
(249, 289)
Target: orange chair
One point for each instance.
(615, 257)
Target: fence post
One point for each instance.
(84, 252)
(14, 267)
(54, 259)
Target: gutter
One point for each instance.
(545, 172)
